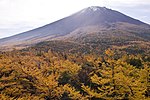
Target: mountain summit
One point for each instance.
(89, 20)
(103, 15)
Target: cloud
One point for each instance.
(12, 29)
(133, 8)
(131, 1)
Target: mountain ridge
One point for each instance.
(87, 20)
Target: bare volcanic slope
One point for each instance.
(101, 21)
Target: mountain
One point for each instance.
(90, 25)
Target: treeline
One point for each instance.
(34, 75)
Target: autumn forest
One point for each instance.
(26, 75)
(96, 53)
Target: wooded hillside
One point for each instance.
(26, 75)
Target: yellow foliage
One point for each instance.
(24, 75)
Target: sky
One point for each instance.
(17, 16)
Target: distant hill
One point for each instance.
(93, 27)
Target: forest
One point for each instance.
(49, 75)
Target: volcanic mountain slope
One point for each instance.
(90, 26)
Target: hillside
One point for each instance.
(92, 24)
(94, 54)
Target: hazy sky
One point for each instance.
(17, 16)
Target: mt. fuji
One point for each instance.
(103, 22)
